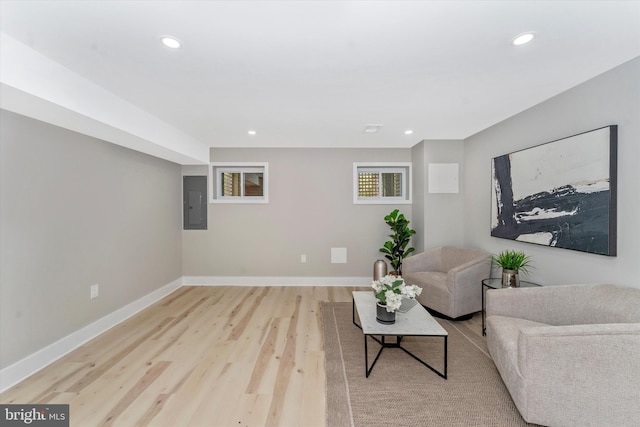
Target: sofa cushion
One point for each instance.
(502, 341)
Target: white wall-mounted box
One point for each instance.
(443, 178)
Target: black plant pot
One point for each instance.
(383, 316)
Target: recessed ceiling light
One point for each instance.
(252, 132)
(408, 132)
(372, 128)
(171, 42)
(523, 38)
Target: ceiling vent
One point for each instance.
(372, 128)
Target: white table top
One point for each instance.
(416, 321)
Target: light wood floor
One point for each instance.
(203, 356)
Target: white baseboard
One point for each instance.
(31, 364)
(274, 281)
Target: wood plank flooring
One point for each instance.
(202, 356)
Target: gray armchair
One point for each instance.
(450, 278)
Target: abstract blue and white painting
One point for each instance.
(560, 194)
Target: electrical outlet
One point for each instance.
(303, 258)
(94, 291)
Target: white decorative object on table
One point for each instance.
(390, 291)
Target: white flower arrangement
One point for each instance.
(390, 290)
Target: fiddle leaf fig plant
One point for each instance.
(396, 249)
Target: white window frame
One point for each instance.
(216, 169)
(384, 167)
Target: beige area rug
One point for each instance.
(402, 392)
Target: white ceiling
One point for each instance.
(314, 73)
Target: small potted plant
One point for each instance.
(396, 249)
(390, 290)
(512, 262)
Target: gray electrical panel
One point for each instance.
(194, 194)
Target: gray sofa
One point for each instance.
(569, 355)
(450, 278)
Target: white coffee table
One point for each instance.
(415, 322)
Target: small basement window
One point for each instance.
(381, 183)
(239, 182)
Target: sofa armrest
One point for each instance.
(562, 364)
(425, 261)
(468, 276)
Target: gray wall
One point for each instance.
(310, 210)
(419, 193)
(437, 217)
(77, 211)
(611, 98)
